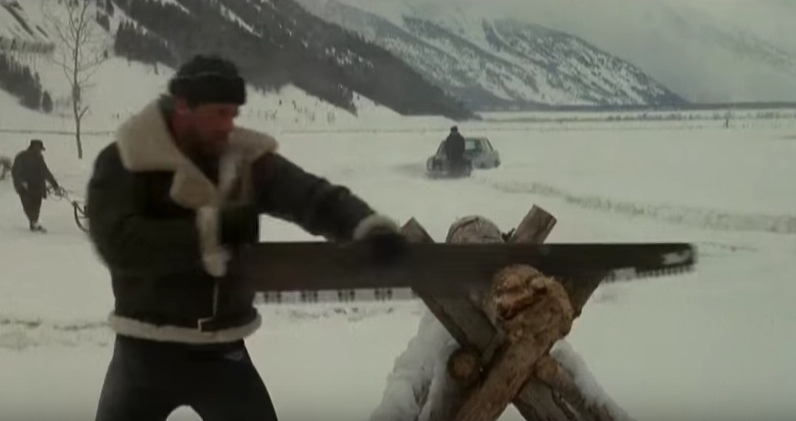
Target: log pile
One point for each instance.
(504, 335)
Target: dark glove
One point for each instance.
(385, 245)
(58, 191)
(238, 224)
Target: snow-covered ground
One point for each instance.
(715, 344)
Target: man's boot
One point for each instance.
(36, 227)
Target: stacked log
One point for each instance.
(504, 335)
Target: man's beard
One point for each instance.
(203, 147)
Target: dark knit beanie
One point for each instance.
(208, 79)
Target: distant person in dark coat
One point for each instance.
(454, 146)
(30, 175)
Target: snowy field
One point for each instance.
(718, 344)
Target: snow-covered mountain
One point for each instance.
(704, 50)
(35, 92)
(20, 29)
(496, 61)
(276, 43)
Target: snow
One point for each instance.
(714, 344)
(10, 26)
(421, 365)
(229, 14)
(176, 3)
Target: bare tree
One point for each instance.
(80, 50)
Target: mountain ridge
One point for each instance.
(704, 51)
(294, 47)
(503, 63)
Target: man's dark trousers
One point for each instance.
(148, 380)
(31, 204)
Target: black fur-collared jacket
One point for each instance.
(153, 218)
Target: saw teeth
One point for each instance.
(342, 296)
(630, 274)
(666, 272)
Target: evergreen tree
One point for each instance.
(47, 103)
(18, 80)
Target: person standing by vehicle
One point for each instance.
(169, 201)
(30, 175)
(454, 148)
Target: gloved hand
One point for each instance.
(386, 246)
(238, 224)
(384, 243)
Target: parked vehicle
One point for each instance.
(478, 153)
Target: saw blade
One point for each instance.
(383, 295)
(315, 272)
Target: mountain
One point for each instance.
(498, 63)
(275, 42)
(18, 30)
(704, 51)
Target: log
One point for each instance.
(549, 371)
(460, 317)
(463, 320)
(534, 311)
(553, 396)
(464, 366)
(538, 399)
(534, 227)
(466, 320)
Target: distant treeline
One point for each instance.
(688, 106)
(21, 82)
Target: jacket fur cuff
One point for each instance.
(214, 256)
(374, 222)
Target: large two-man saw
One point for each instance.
(326, 271)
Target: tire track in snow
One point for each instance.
(707, 248)
(710, 219)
